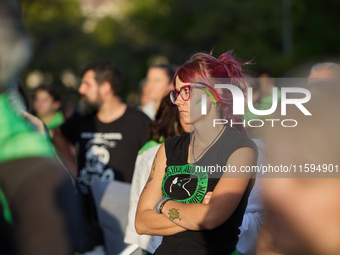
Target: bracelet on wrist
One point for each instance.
(160, 201)
(162, 204)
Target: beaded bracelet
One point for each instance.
(160, 201)
(162, 204)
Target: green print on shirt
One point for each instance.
(191, 171)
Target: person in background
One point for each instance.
(255, 213)
(323, 71)
(262, 84)
(167, 124)
(46, 106)
(108, 135)
(266, 81)
(7, 237)
(303, 210)
(158, 83)
(38, 202)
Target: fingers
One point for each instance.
(35, 120)
(207, 197)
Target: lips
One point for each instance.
(182, 112)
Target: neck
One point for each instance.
(157, 104)
(111, 110)
(46, 118)
(204, 130)
(205, 135)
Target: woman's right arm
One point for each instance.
(148, 221)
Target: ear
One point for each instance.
(106, 88)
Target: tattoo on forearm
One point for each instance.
(174, 214)
(152, 172)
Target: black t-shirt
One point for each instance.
(184, 184)
(106, 151)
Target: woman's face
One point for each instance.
(44, 104)
(189, 110)
(157, 83)
(183, 106)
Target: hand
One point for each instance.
(35, 120)
(206, 198)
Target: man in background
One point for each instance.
(108, 135)
(325, 70)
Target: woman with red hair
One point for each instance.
(195, 196)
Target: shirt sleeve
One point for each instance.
(244, 141)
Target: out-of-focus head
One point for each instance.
(253, 83)
(159, 81)
(203, 66)
(46, 100)
(15, 45)
(266, 80)
(106, 72)
(325, 70)
(144, 98)
(100, 81)
(167, 122)
(306, 209)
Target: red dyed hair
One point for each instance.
(202, 65)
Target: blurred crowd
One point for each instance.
(71, 174)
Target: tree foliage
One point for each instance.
(176, 29)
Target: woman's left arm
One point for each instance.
(224, 200)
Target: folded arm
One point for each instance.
(224, 200)
(148, 221)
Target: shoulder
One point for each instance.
(239, 140)
(77, 118)
(134, 113)
(147, 146)
(72, 126)
(149, 155)
(40, 170)
(176, 141)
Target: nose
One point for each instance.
(179, 101)
(81, 89)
